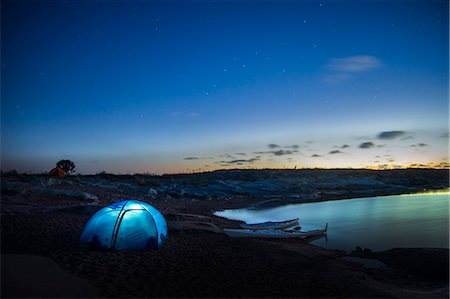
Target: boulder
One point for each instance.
(57, 192)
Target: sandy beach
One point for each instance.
(40, 239)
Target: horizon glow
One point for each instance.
(168, 87)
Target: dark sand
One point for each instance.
(41, 253)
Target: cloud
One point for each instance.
(278, 152)
(390, 134)
(343, 69)
(197, 158)
(193, 114)
(241, 154)
(354, 64)
(316, 156)
(366, 145)
(294, 146)
(445, 135)
(335, 152)
(273, 145)
(227, 156)
(345, 146)
(283, 152)
(239, 161)
(419, 144)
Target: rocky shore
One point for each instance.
(42, 219)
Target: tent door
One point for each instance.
(137, 231)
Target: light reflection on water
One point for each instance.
(378, 223)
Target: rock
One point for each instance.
(367, 250)
(55, 181)
(357, 251)
(12, 188)
(152, 192)
(57, 192)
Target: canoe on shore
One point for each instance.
(271, 225)
(274, 233)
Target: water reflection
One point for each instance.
(378, 223)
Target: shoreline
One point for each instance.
(275, 202)
(348, 252)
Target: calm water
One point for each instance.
(378, 223)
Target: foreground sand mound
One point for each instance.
(26, 275)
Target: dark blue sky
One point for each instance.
(134, 87)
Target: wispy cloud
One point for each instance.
(335, 152)
(391, 134)
(283, 152)
(342, 69)
(354, 64)
(294, 146)
(191, 158)
(419, 144)
(240, 161)
(366, 145)
(273, 145)
(316, 156)
(193, 114)
(279, 152)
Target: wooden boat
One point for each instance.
(271, 224)
(274, 233)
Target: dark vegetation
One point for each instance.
(66, 165)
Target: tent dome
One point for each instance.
(126, 225)
(57, 172)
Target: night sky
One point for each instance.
(163, 87)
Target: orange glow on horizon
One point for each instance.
(193, 169)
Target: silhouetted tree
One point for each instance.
(66, 165)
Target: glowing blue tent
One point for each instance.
(126, 225)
